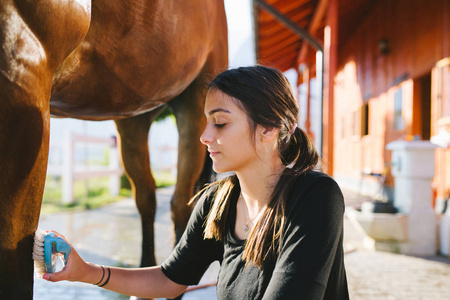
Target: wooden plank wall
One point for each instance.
(417, 35)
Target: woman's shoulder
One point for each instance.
(205, 197)
(315, 179)
(316, 188)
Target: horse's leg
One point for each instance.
(29, 56)
(133, 145)
(188, 110)
(24, 135)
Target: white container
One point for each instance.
(413, 170)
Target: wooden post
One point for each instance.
(307, 80)
(330, 53)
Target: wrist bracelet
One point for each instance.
(103, 275)
(107, 279)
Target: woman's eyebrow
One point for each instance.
(218, 110)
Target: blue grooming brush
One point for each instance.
(52, 246)
(47, 248)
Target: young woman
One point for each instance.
(275, 225)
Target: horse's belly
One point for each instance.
(126, 68)
(104, 101)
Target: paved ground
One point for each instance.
(111, 236)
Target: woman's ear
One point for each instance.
(267, 133)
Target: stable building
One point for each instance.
(370, 72)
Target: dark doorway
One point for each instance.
(422, 106)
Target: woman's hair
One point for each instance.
(265, 95)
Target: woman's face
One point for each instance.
(227, 134)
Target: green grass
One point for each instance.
(164, 179)
(89, 194)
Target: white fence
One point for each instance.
(70, 170)
(65, 161)
(163, 159)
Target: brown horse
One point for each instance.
(109, 59)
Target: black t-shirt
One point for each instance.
(309, 266)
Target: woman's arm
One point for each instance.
(186, 265)
(141, 282)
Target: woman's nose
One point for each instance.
(205, 138)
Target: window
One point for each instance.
(365, 120)
(359, 121)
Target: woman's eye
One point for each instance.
(220, 125)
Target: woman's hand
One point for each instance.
(142, 282)
(76, 269)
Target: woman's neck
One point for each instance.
(257, 184)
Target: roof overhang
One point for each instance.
(285, 29)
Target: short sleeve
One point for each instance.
(312, 245)
(193, 254)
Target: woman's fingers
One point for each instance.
(54, 277)
(75, 269)
(59, 235)
(72, 270)
(64, 274)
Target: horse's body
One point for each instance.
(112, 60)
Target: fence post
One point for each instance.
(68, 166)
(114, 180)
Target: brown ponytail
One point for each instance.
(301, 151)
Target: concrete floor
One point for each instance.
(111, 236)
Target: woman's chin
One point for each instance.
(219, 169)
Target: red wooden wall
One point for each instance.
(415, 35)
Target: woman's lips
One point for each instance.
(213, 153)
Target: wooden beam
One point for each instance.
(270, 40)
(285, 7)
(277, 45)
(275, 26)
(285, 63)
(282, 63)
(291, 25)
(288, 51)
(318, 15)
(316, 21)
